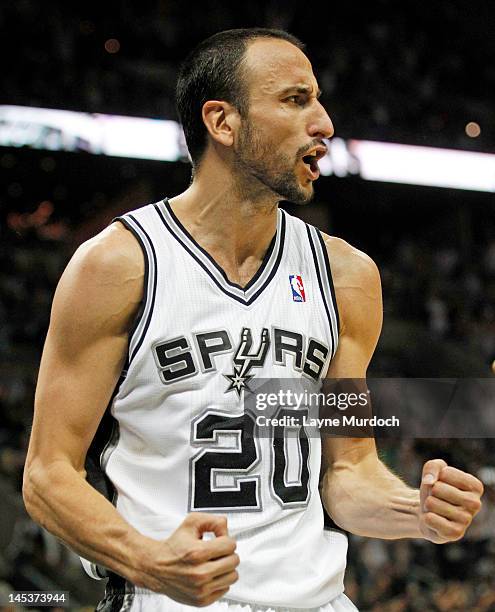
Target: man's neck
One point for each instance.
(234, 225)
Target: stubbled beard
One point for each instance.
(255, 158)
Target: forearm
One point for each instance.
(365, 498)
(62, 501)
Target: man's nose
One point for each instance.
(321, 125)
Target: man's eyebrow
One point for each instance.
(301, 89)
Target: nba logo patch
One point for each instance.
(296, 284)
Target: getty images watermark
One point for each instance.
(377, 407)
(293, 409)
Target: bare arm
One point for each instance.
(358, 491)
(94, 306)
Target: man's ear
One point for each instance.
(221, 120)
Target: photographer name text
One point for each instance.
(344, 421)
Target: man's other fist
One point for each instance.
(188, 568)
(450, 499)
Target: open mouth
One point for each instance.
(311, 162)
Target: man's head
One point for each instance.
(252, 93)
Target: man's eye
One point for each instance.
(297, 99)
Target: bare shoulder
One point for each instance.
(103, 281)
(114, 251)
(357, 289)
(352, 268)
(94, 305)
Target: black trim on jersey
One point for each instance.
(320, 283)
(142, 305)
(276, 263)
(111, 603)
(239, 299)
(119, 595)
(142, 308)
(116, 583)
(330, 279)
(260, 270)
(106, 433)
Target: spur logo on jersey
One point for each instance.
(183, 357)
(244, 360)
(297, 286)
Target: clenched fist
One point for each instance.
(450, 499)
(189, 569)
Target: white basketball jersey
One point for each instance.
(181, 439)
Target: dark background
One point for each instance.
(399, 72)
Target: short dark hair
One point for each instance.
(212, 71)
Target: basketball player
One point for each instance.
(167, 315)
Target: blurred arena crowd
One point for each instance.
(389, 71)
(398, 74)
